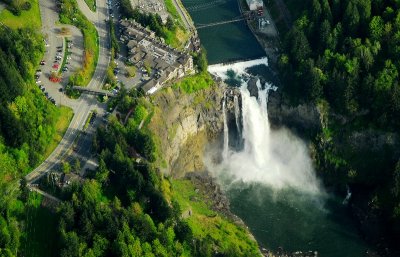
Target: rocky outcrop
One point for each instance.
(302, 118)
(212, 193)
(184, 124)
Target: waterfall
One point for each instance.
(277, 159)
(237, 115)
(226, 131)
(348, 196)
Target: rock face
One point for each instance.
(303, 118)
(184, 124)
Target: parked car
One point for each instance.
(42, 62)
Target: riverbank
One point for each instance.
(267, 34)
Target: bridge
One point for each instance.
(244, 16)
(202, 26)
(93, 91)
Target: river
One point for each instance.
(234, 41)
(272, 185)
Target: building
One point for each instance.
(255, 5)
(147, 52)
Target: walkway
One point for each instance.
(48, 196)
(94, 91)
(184, 16)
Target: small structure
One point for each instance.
(68, 179)
(255, 5)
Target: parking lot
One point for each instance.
(56, 42)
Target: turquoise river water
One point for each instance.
(233, 41)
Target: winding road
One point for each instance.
(86, 103)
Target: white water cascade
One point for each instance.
(348, 196)
(275, 158)
(226, 132)
(237, 115)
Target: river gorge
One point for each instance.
(267, 173)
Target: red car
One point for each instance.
(55, 66)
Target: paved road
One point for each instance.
(182, 12)
(86, 103)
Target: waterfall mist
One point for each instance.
(277, 159)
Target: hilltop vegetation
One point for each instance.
(344, 56)
(21, 14)
(28, 126)
(129, 209)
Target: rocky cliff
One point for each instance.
(304, 118)
(185, 123)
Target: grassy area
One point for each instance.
(91, 4)
(65, 54)
(172, 10)
(88, 121)
(179, 36)
(40, 229)
(206, 223)
(176, 38)
(194, 83)
(61, 127)
(30, 18)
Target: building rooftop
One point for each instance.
(143, 49)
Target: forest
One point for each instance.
(27, 126)
(344, 56)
